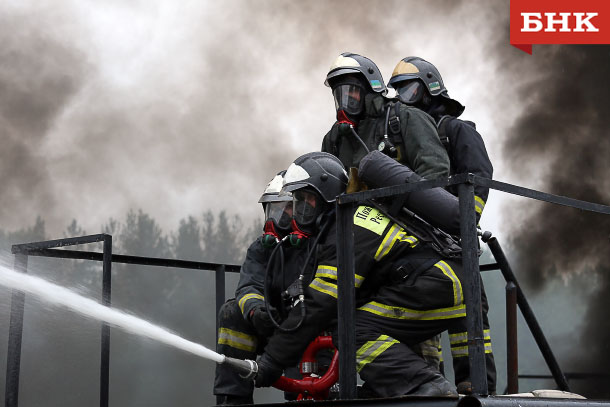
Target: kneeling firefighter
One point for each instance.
(418, 83)
(408, 284)
(245, 322)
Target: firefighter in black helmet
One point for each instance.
(366, 121)
(418, 83)
(395, 313)
(244, 323)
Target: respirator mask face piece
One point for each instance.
(411, 92)
(280, 213)
(349, 98)
(307, 206)
(278, 222)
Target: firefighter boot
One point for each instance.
(437, 387)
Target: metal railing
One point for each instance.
(346, 296)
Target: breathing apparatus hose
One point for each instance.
(351, 127)
(300, 281)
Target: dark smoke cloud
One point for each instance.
(562, 141)
(38, 76)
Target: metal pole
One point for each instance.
(13, 358)
(512, 351)
(346, 308)
(220, 294)
(529, 316)
(472, 293)
(106, 291)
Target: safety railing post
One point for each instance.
(106, 300)
(346, 312)
(13, 362)
(472, 292)
(220, 293)
(512, 350)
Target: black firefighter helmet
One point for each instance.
(412, 72)
(315, 180)
(351, 77)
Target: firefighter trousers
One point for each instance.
(400, 315)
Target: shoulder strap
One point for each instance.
(441, 127)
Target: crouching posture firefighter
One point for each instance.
(245, 323)
(407, 291)
(419, 84)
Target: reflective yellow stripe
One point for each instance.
(458, 296)
(387, 242)
(242, 301)
(406, 313)
(235, 339)
(330, 272)
(327, 271)
(463, 337)
(479, 204)
(370, 350)
(324, 287)
(461, 351)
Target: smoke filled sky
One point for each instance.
(181, 107)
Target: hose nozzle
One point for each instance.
(248, 368)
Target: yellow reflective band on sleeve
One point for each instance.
(327, 271)
(387, 242)
(330, 272)
(238, 340)
(370, 350)
(463, 337)
(479, 204)
(462, 351)
(371, 219)
(458, 296)
(242, 301)
(411, 314)
(324, 287)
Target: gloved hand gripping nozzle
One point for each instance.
(248, 368)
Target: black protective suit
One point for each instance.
(467, 153)
(237, 337)
(406, 293)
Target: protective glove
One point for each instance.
(261, 322)
(268, 371)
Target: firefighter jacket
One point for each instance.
(381, 247)
(467, 153)
(417, 142)
(251, 287)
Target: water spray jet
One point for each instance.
(58, 295)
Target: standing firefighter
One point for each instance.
(245, 323)
(419, 84)
(366, 121)
(407, 291)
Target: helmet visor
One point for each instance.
(410, 91)
(280, 213)
(306, 206)
(349, 97)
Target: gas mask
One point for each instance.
(307, 210)
(414, 93)
(278, 217)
